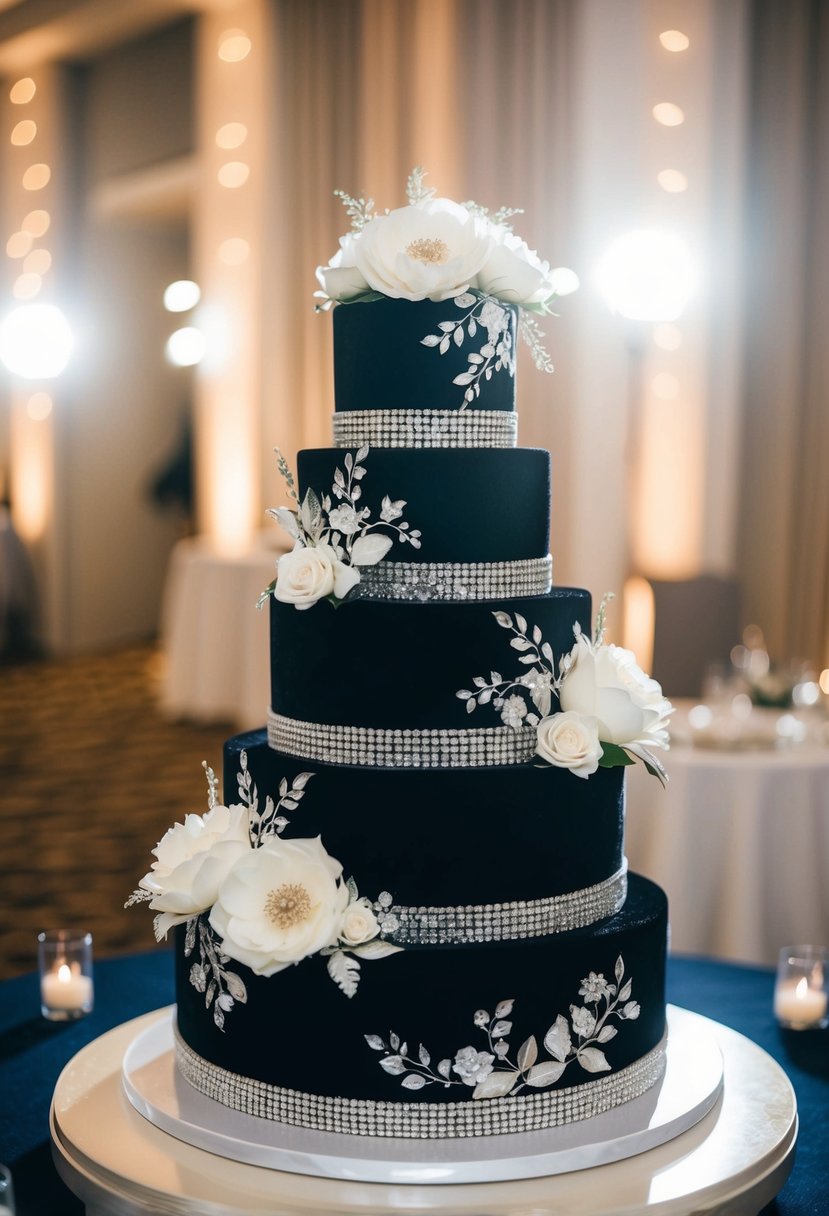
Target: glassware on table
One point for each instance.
(801, 995)
(65, 964)
(7, 1207)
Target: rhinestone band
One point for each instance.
(426, 428)
(420, 1120)
(508, 921)
(370, 747)
(423, 582)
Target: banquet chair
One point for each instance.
(696, 624)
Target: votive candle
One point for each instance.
(65, 962)
(801, 1001)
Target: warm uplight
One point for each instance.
(669, 115)
(564, 281)
(234, 174)
(37, 223)
(234, 45)
(39, 407)
(22, 91)
(182, 295)
(231, 135)
(26, 286)
(23, 133)
(186, 346)
(674, 40)
(647, 275)
(37, 262)
(19, 244)
(672, 181)
(665, 386)
(36, 341)
(36, 177)
(638, 620)
(234, 251)
(667, 336)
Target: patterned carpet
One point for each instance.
(92, 776)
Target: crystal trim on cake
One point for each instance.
(423, 582)
(420, 1120)
(426, 428)
(371, 747)
(509, 921)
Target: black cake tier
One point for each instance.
(450, 837)
(380, 361)
(299, 1033)
(399, 665)
(471, 505)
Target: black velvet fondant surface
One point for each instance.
(300, 1031)
(471, 505)
(457, 836)
(380, 361)
(398, 666)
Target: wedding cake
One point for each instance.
(411, 916)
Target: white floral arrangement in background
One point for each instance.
(492, 1074)
(610, 714)
(246, 894)
(437, 249)
(332, 543)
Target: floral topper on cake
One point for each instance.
(332, 543)
(436, 249)
(246, 894)
(611, 712)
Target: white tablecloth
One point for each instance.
(740, 843)
(215, 640)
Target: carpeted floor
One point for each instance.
(91, 776)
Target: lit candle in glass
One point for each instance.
(801, 1001)
(65, 962)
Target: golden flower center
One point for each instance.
(428, 249)
(288, 905)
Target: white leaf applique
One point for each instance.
(345, 972)
(369, 550)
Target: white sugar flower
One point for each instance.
(192, 860)
(514, 711)
(493, 318)
(432, 250)
(606, 683)
(308, 574)
(279, 904)
(473, 1066)
(584, 1022)
(344, 519)
(594, 987)
(540, 687)
(359, 923)
(569, 740)
(514, 272)
(340, 279)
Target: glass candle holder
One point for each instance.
(65, 963)
(801, 996)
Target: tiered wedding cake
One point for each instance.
(413, 917)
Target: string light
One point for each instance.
(36, 341)
(182, 295)
(233, 174)
(674, 40)
(36, 177)
(27, 286)
(667, 336)
(37, 262)
(23, 132)
(19, 244)
(668, 114)
(234, 251)
(672, 181)
(231, 135)
(186, 346)
(37, 223)
(234, 45)
(22, 91)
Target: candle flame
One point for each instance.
(65, 974)
(801, 988)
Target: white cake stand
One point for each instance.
(733, 1159)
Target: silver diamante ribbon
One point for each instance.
(408, 1119)
(508, 921)
(426, 428)
(423, 582)
(371, 747)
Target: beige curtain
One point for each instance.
(477, 91)
(783, 550)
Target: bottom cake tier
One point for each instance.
(469, 1040)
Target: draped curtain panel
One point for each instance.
(783, 549)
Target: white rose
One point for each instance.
(192, 860)
(432, 250)
(606, 683)
(359, 923)
(279, 904)
(514, 272)
(340, 279)
(308, 574)
(569, 740)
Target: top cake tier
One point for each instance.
(381, 361)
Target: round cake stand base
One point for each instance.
(731, 1162)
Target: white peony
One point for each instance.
(359, 923)
(340, 279)
(279, 904)
(514, 272)
(569, 740)
(192, 860)
(606, 683)
(432, 250)
(308, 574)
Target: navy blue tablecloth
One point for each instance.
(33, 1052)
